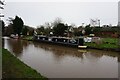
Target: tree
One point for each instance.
(25, 30)
(59, 29)
(17, 25)
(1, 7)
(48, 28)
(47, 25)
(41, 30)
(31, 32)
(88, 30)
(57, 21)
(8, 30)
(77, 31)
(47, 31)
(2, 2)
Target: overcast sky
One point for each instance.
(37, 13)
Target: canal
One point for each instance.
(54, 61)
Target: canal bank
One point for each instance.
(14, 68)
(109, 44)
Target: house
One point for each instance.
(108, 32)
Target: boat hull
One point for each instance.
(60, 41)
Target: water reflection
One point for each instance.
(62, 51)
(58, 61)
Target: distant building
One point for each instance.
(105, 26)
(108, 32)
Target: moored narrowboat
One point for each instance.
(78, 42)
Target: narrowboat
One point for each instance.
(78, 42)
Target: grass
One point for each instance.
(28, 38)
(107, 43)
(101, 46)
(12, 67)
(110, 40)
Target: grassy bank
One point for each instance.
(14, 68)
(107, 43)
(29, 38)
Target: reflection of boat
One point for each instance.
(78, 42)
(14, 36)
(83, 51)
(5, 37)
(83, 47)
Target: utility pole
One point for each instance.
(99, 22)
(1, 4)
(82, 24)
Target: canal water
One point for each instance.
(54, 61)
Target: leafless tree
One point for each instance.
(57, 21)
